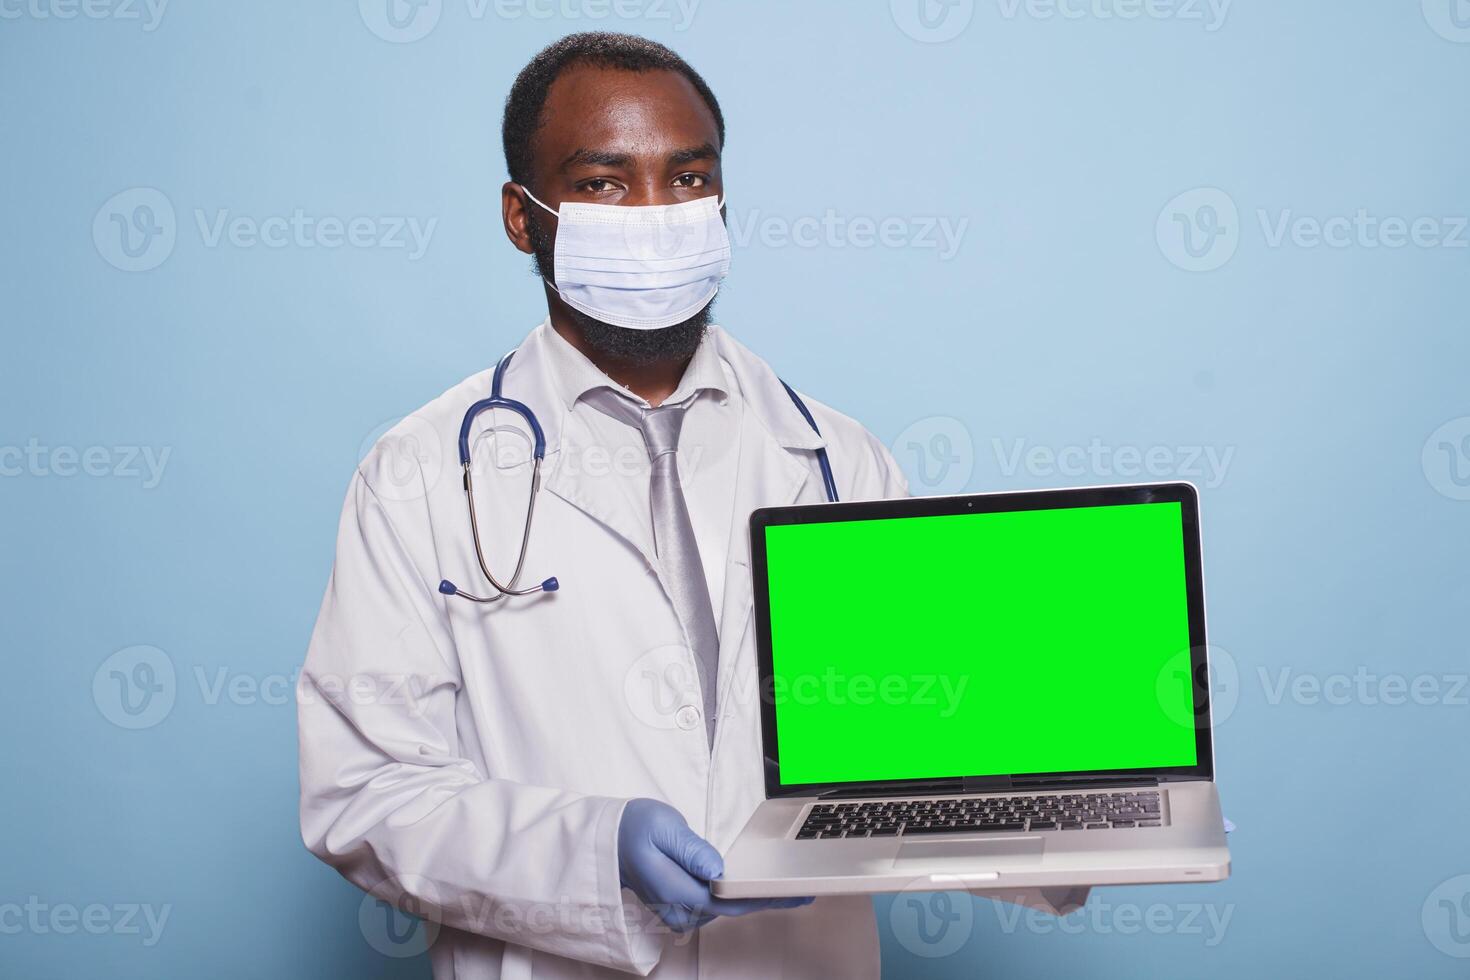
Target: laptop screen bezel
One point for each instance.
(1183, 494)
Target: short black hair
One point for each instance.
(601, 49)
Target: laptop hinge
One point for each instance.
(1073, 782)
(919, 788)
(985, 784)
(988, 784)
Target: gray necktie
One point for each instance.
(673, 533)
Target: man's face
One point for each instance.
(625, 138)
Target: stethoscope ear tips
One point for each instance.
(550, 585)
(447, 587)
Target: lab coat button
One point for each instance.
(687, 717)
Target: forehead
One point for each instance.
(611, 109)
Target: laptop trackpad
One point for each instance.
(1006, 854)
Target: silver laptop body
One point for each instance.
(1114, 823)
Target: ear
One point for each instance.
(515, 212)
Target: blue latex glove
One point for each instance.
(669, 867)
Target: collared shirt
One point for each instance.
(709, 443)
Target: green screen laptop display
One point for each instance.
(979, 644)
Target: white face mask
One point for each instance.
(643, 267)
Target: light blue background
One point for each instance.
(1332, 544)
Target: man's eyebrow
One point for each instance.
(704, 151)
(595, 158)
(584, 157)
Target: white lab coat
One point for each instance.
(472, 761)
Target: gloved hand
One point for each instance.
(669, 867)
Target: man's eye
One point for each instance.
(691, 181)
(597, 185)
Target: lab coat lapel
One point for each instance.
(570, 447)
(769, 474)
(600, 497)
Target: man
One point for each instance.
(549, 778)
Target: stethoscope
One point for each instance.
(538, 452)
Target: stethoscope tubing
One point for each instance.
(538, 454)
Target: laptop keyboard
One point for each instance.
(982, 814)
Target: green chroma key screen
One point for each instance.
(979, 644)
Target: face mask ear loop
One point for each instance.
(554, 214)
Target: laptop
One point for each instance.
(982, 691)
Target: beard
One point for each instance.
(621, 344)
